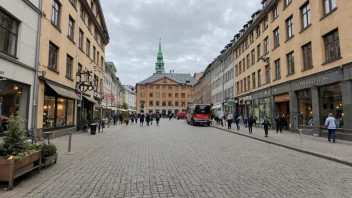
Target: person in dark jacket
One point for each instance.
(141, 119)
(148, 119)
(115, 117)
(250, 124)
(151, 118)
(132, 116)
(266, 125)
(278, 121)
(157, 118)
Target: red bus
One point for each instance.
(199, 114)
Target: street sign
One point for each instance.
(230, 103)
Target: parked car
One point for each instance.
(181, 115)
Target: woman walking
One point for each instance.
(229, 120)
(250, 124)
(266, 124)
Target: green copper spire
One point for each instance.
(159, 65)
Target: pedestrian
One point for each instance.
(229, 120)
(148, 119)
(221, 116)
(278, 121)
(151, 118)
(255, 120)
(266, 124)
(157, 118)
(141, 119)
(225, 118)
(132, 116)
(237, 122)
(136, 119)
(245, 121)
(330, 124)
(170, 116)
(115, 117)
(250, 124)
(121, 118)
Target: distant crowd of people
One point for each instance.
(142, 117)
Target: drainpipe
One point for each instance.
(35, 91)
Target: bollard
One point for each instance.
(300, 134)
(69, 144)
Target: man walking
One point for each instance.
(278, 121)
(237, 120)
(148, 119)
(250, 124)
(229, 120)
(157, 118)
(141, 119)
(330, 124)
(266, 124)
(115, 117)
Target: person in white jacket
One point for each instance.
(229, 120)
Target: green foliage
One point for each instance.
(125, 105)
(48, 150)
(15, 141)
(96, 119)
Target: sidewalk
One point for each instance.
(340, 152)
(82, 144)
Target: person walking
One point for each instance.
(151, 118)
(141, 119)
(157, 118)
(132, 116)
(221, 117)
(115, 117)
(250, 124)
(266, 124)
(278, 121)
(148, 119)
(229, 120)
(225, 118)
(245, 121)
(330, 124)
(136, 118)
(237, 120)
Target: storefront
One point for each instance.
(14, 97)
(262, 105)
(282, 103)
(59, 107)
(245, 106)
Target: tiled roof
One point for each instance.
(179, 78)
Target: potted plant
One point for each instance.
(49, 154)
(16, 156)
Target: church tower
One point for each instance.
(159, 65)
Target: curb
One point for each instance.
(291, 148)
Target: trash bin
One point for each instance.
(93, 128)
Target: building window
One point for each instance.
(142, 95)
(83, 14)
(102, 61)
(241, 87)
(253, 56)
(71, 26)
(276, 37)
(150, 103)
(240, 67)
(248, 83)
(157, 86)
(287, 2)
(305, 11)
(88, 48)
(307, 56)
(170, 88)
(332, 46)
(89, 24)
(253, 80)
(183, 95)
(170, 95)
(330, 101)
(79, 68)
(170, 104)
(259, 54)
(259, 78)
(164, 95)
(69, 62)
(55, 13)
(236, 70)
(276, 12)
(266, 45)
(244, 64)
(95, 32)
(289, 25)
(248, 61)
(94, 51)
(176, 95)
(151, 95)
(164, 104)
(329, 5)
(266, 22)
(8, 34)
(59, 112)
(251, 39)
(176, 104)
(305, 107)
(258, 31)
(73, 2)
(157, 94)
(53, 52)
(267, 73)
(98, 58)
(277, 69)
(290, 63)
(80, 39)
(157, 103)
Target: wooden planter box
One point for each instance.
(11, 169)
(49, 160)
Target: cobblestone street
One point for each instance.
(179, 160)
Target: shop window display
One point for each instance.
(305, 108)
(330, 101)
(256, 109)
(264, 109)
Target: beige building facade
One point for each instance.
(293, 59)
(202, 89)
(73, 40)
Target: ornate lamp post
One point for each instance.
(84, 83)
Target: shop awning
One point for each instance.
(89, 99)
(63, 92)
(216, 106)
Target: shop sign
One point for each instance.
(246, 98)
(311, 82)
(282, 98)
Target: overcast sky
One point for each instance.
(193, 32)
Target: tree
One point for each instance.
(125, 105)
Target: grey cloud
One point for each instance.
(193, 33)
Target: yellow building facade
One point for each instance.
(293, 59)
(73, 40)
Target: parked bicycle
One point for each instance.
(30, 136)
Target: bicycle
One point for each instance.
(30, 136)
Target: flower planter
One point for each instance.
(49, 160)
(11, 169)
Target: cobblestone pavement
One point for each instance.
(179, 160)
